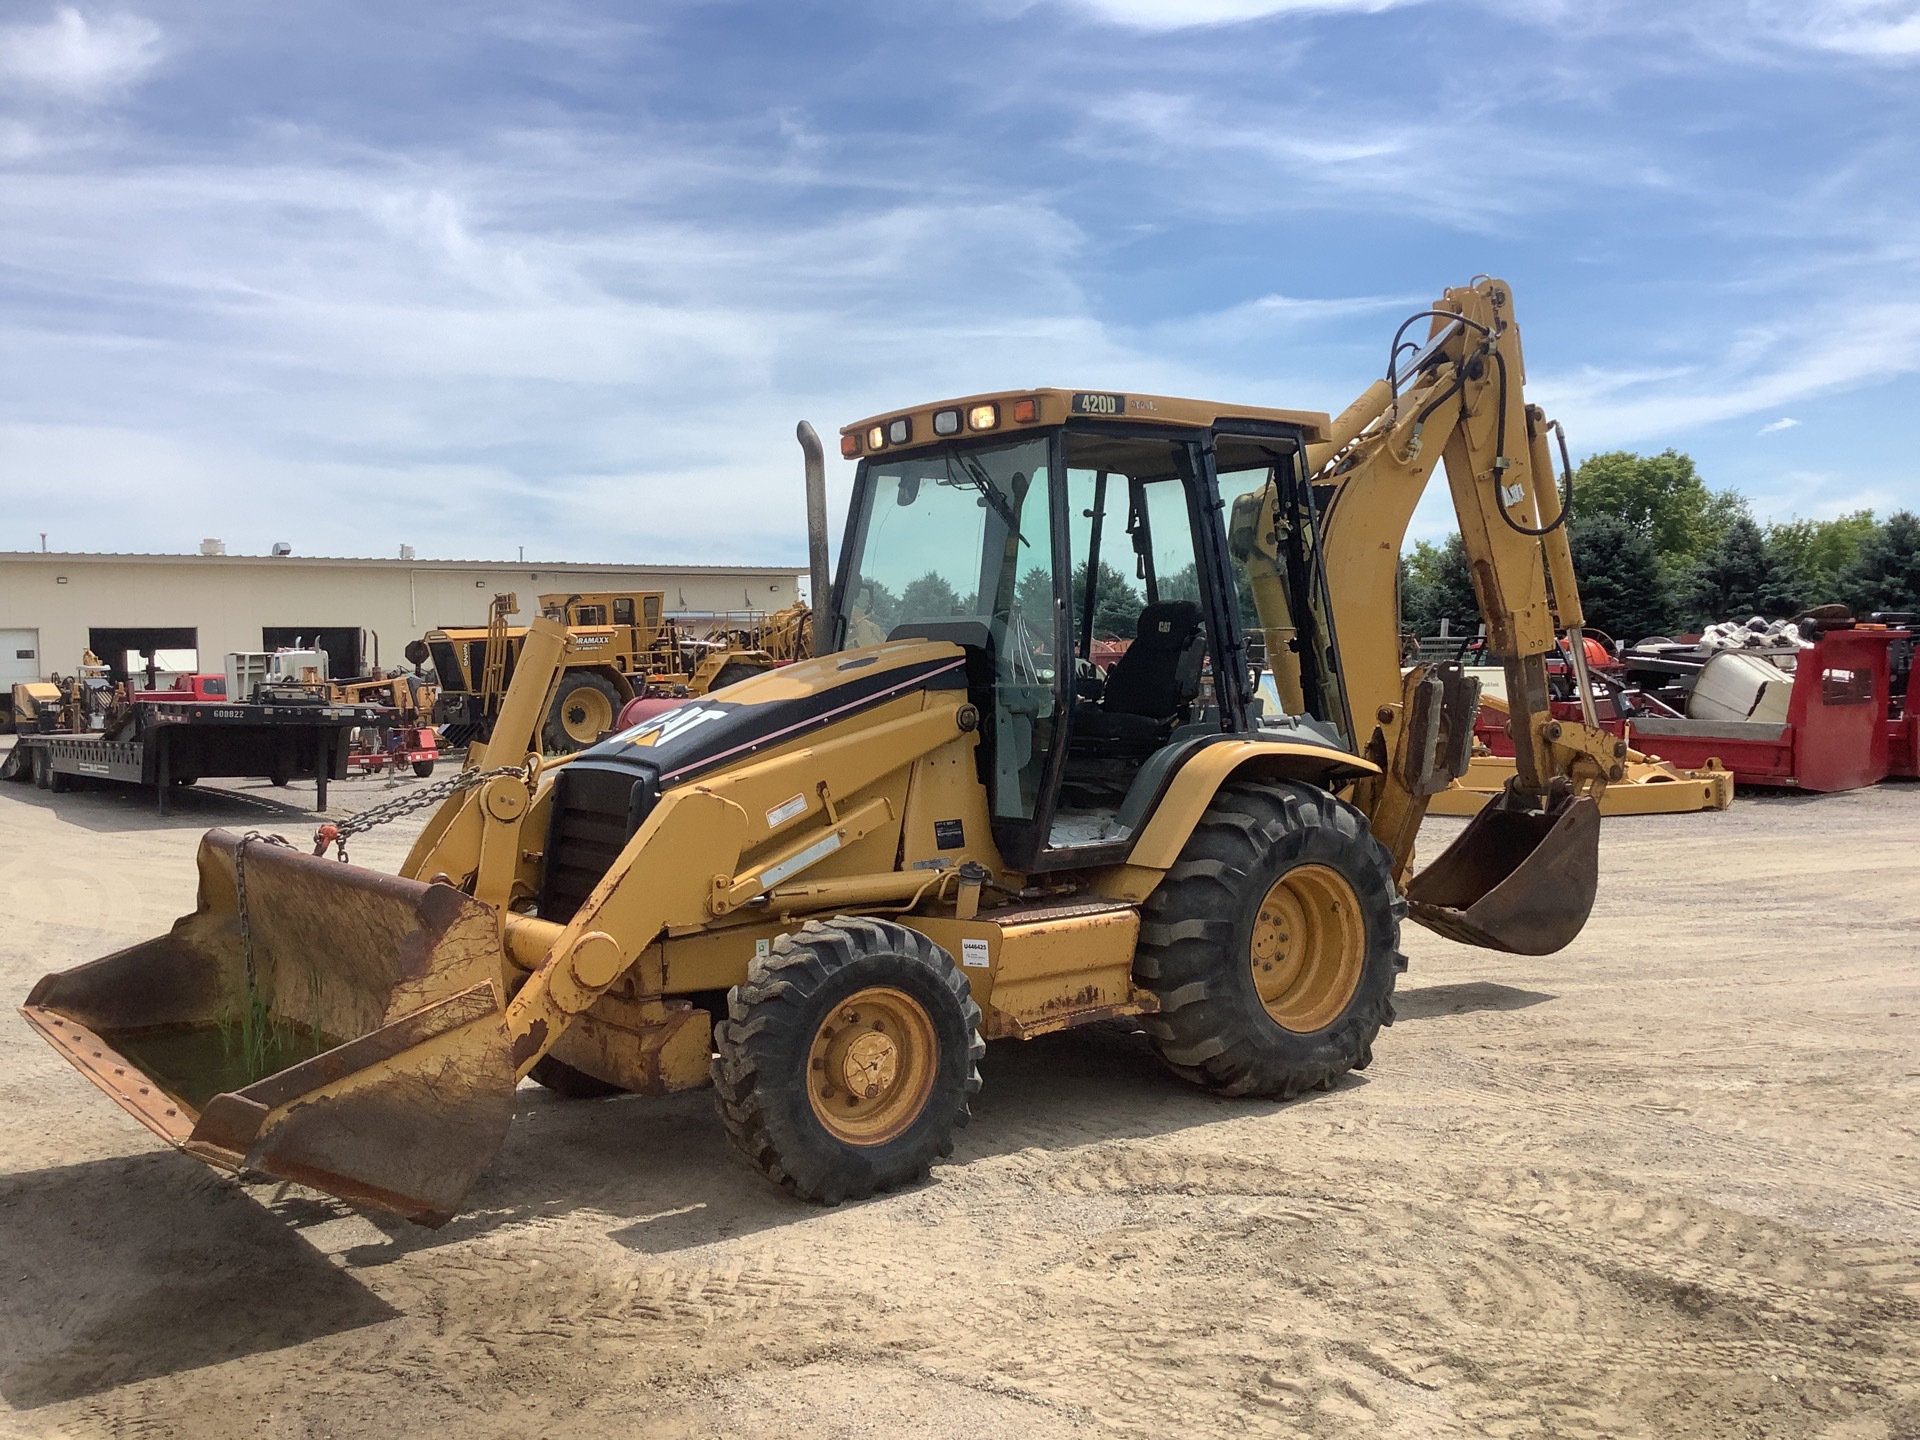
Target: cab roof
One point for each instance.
(1010, 409)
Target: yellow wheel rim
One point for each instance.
(871, 1065)
(1308, 946)
(586, 714)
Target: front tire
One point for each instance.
(848, 1059)
(1273, 943)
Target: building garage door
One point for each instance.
(19, 658)
(136, 650)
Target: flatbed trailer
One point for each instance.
(173, 742)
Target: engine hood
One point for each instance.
(773, 708)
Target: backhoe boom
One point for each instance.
(1459, 399)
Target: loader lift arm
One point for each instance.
(1342, 514)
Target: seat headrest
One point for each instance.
(1167, 624)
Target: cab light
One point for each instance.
(1026, 411)
(983, 417)
(946, 422)
(877, 438)
(849, 446)
(899, 431)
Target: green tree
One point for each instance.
(1662, 495)
(1886, 574)
(1624, 589)
(1822, 551)
(1184, 584)
(1438, 586)
(931, 598)
(1739, 577)
(1116, 604)
(1033, 598)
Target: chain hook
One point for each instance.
(402, 805)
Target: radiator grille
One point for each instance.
(594, 813)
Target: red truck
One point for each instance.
(189, 687)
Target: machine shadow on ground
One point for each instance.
(663, 1169)
(94, 1295)
(118, 809)
(1431, 1002)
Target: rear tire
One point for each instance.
(572, 1084)
(848, 1059)
(423, 768)
(1273, 943)
(582, 712)
(733, 672)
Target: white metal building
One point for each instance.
(53, 606)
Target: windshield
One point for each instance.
(954, 534)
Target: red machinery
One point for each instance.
(1845, 727)
(1903, 701)
(1836, 735)
(375, 748)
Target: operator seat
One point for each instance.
(1150, 685)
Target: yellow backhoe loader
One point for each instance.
(947, 827)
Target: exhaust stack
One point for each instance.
(821, 575)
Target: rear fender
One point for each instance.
(1195, 783)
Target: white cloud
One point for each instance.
(1817, 495)
(1856, 341)
(1180, 14)
(72, 55)
(1774, 427)
(1877, 29)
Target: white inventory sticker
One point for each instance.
(785, 811)
(973, 954)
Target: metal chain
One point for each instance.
(337, 835)
(240, 890)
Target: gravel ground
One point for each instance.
(1665, 1183)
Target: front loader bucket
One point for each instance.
(1515, 880)
(368, 1057)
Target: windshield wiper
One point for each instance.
(989, 492)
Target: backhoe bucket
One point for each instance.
(367, 1058)
(1515, 880)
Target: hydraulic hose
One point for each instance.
(1500, 451)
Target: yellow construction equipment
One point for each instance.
(949, 826)
(620, 645)
(1649, 786)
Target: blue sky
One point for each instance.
(479, 276)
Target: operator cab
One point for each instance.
(1073, 543)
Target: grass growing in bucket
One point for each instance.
(250, 1038)
(261, 1043)
(194, 1063)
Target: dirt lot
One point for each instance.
(1666, 1183)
